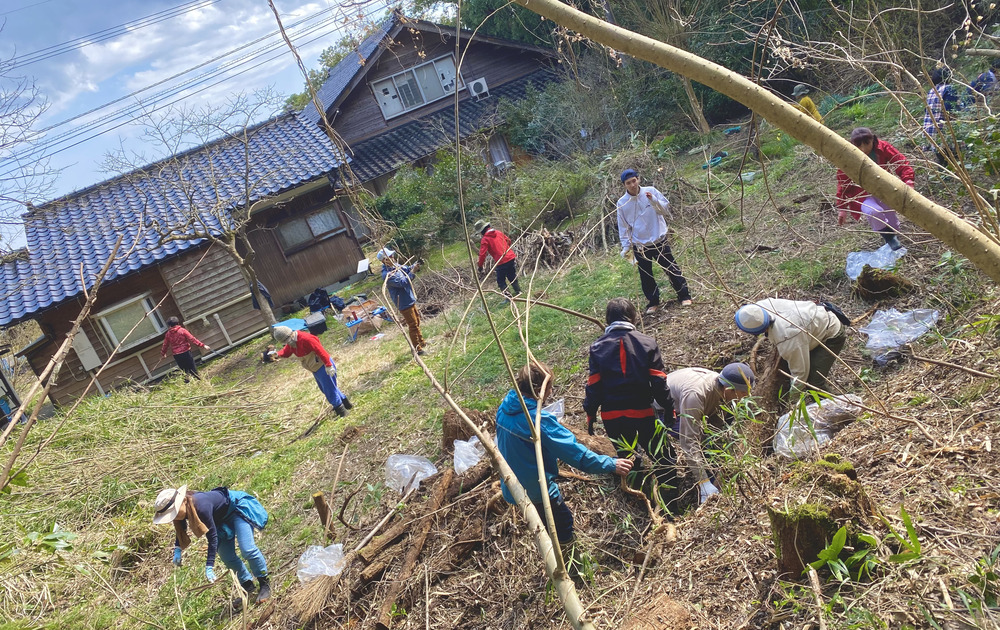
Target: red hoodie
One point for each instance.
(179, 341)
(850, 195)
(496, 244)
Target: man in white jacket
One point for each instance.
(698, 394)
(642, 229)
(807, 335)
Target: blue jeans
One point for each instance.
(328, 385)
(248, 549)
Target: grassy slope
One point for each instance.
(243, 428)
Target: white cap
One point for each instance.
(752, 318)
(384, 253)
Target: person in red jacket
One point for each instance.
(853, 200)
(316, 359)
(497, 245)
(178, 340)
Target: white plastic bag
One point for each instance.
(400, 469)
(798, 435)
(882, 258)
(557, 409)
(467, 454)
(891, 329)
(317, 561)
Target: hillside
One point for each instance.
(924, 448)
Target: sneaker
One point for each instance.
(341, 410)
(347, 403)
(651, 309)
(685, 302)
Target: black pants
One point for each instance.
(562, 516)
(659, 252)
(642, 432)
(185, 361)
(507, 273)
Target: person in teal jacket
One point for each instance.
(558, 443)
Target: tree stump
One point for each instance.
(879, 284)
(809, 508)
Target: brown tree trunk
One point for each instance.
(696, 110)
(982, 250)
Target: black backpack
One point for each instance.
(839, 314)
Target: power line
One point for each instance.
(111, 32)
(27, 6)
(43, 150)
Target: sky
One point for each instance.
(82, 56)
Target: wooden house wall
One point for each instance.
(360, 116)
(291, 276)
(57, 323)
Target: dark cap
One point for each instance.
(628, 173)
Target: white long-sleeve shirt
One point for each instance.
(798, 328)
(638, 220)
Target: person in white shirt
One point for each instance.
(807, 335)
(643, 230)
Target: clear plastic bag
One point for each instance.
(557, 409)
(891, 329)
(317, 561)
(882, 258)
(468, 453)
(403, 472)
(798, 435)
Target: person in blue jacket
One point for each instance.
(397, 279)
(558, 443)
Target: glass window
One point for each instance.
(409, 92)
(354, 218)
(119, 320)
(323, 222)
(294, 233)
(417, 86)
(429, 81)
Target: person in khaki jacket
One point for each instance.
(699, 393)
(807, 335)
(316, 359)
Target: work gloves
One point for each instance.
(210, 574)
(332, 370)
(177, 556)
(706, 489)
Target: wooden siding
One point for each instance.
(291, 276)
(201, 279)
(211, 288)
(57, 323)
(360, 116)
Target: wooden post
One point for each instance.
(325, 515)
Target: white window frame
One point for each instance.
(151, 314)
(459, 85)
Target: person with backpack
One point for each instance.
(179, 341)
(807, 335)
(226, 518)
(853, 200)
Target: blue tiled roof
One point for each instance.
(341, 75)
(419, 138)
(81, 229)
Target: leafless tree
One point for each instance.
(214, 177)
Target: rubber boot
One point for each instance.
(341, 410)
(248, 588)
(889, 236)
(265, 589)
(347, 403)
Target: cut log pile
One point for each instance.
(380, 576)
(550, 248)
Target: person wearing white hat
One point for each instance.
(225, 518)
(699, 394)
(315, 359)
(497, 245)
(808, 336)
(806, 104)
(397, 279)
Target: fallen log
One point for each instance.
(415, 547)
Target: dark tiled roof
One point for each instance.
(341, 75)
(419, 138)
(81, 229)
